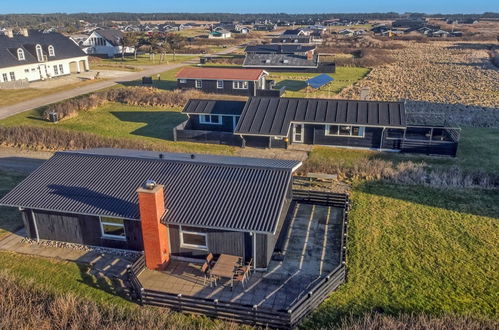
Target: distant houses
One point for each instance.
(220, 34)
(33, 55)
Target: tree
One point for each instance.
(175, 42)
(129, 40)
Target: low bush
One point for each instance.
(141, 96)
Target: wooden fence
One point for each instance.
(253, 314)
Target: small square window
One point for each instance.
(220, 84)
(112, 228)
(199, 84)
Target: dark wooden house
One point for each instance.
(280, 122)
(197, 204)
(246, 82)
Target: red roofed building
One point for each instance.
(247, 82)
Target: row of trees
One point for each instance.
(156, 43)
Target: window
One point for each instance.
(190, 238)
(199, 84)
(51, 50)
(56, 70)
(39, 53)
(298, 133)
(210, 119)
(220, 84)
(418, 133)
(112, 228)
(12, 76)
(183, 81)
(343, 130)
(26, 70)
(394, 133)
(5, 77)
(240, 85)
(20, 55)
(61, 68)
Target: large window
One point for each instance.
(343, 130)
(210, 119)
(12, 76)
(191, 238)
(199, 84)
(61, 68)
(112, 228)
(4, 75)
(240, 85)
(39, 53)
(56, 70)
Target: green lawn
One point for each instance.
(295, 82)
(145, 59)
(118, 120)
(415, 249)
(10, 219)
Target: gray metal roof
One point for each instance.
(273, 116)
(279, 61)
(216, 107)
(63, 48)
(111, 35)
(233, 193)
(279, 49)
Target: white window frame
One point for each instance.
(362, 131)
(114, 237)
(198, 83)
(236, 84)
(182, 81)
(20, 54)
(12, 76)
(39, 53)
(295, 140)
(51, 50)
(56, 70)
(220, 84)
(203, 119)
(61, 69)
(192, 246)
(5, 77)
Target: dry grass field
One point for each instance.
(458, 72)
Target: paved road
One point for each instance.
(10, 110)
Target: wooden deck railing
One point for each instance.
(253, 314)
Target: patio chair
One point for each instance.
(205, 269)
(239, 277)
(250, 266)
(209, 259)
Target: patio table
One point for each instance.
(224, 267)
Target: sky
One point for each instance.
(253, 6)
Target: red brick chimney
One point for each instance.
(154, 233)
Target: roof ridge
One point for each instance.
(195, 161)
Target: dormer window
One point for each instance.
(20, 55)
(39, 53)
(51, 51)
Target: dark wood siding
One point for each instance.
(371, 139)
(210, 86)
(80, 229)
(227, 124)
(219, 241)
(28, 223)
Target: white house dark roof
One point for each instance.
(216, 107)
(112, 36)
(63, 47)
(242, 194)
(273, 116)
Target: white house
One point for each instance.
(105, 42)
(34, 55)
(220, 34)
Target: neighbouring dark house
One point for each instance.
(280, 122)
(197, 204)
(292, 39)
(286, 57)
(246, 82)
(264, 27)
